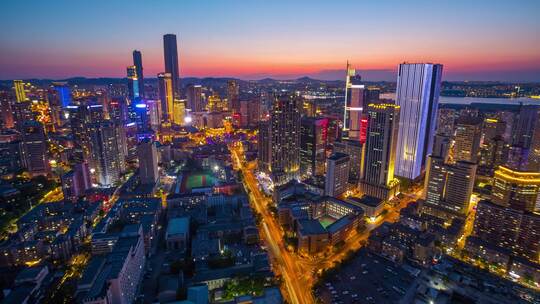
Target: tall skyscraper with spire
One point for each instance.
(170, 53)
(418, 87)
(137, 62)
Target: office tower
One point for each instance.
(195, 100)
(534, 151)
(6, 112)
(354, 149)
(170, 53)
(242, 115)
(441, 146)
(166, 96)
(20, 92)
(492, 128)
(137, 62)
(285, 139)
(377, 175)
(448, 187)
(313, 138)
(118, 110)
(467, 139)
(214, 103)
(508, 228)
(22, 111)
(445, 121)
(337, 175)
(264, 146)
(122, 143)
(179, 111)
(517, 158)
(253, 112)
(148, 162)
(139, 115)
(34, 147)
(494, 153)
(133, 82)
(105, 156)
(233, 95)
(76, 181)
(11, 152)
(356, 100)
(418, 86)
(516, 189)
(527, 122)
(153, 109)
(63, 93)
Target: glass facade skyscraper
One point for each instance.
(137, 62)
(418, 87)
(170, 54)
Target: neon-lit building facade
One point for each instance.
(418, 87)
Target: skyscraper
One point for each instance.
(448, 188)
(166, 95)
(63, 93)
(377, 176)
(148, 162)
(417, 94)
(353, 148)
(337, 175)
(514, 230)
(19, 90)
(179, 111)
(137, 62)
(516, 189)
(104, 153)
(357, 97)
(34, 147)
(526, 124)
(264, 146)
(313, 134)
(233, 91)
(467, 139)
(194, 98)
(133, 82)
(170, 53)
(285, 139)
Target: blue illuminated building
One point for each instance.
(63, 92)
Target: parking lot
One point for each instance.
(368, 278)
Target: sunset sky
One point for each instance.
(475, 40)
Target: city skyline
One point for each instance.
(490, 41)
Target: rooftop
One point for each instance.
(178, 225)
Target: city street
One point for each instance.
(299, 273)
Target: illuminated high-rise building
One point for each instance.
(354, 149)
(526, 123)
(492, 128)
(148, 162)
(233, 96)
(285, 139)
(20, 92)
(313, 135)
(63, 93)
(516, 189)
(357, 97)
(105, 156)
(6, 111)
(137, 62)
(179, 111)
(377, 176)
(195, 100)
(418, 87)
(133, 82)
(166, 96)
(34, 148)
(448, 188)
(467, 139)
(514, 230)
(337, 175)
(264, 146)
(170, 54)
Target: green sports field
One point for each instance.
(326, 221)
(197, 180)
